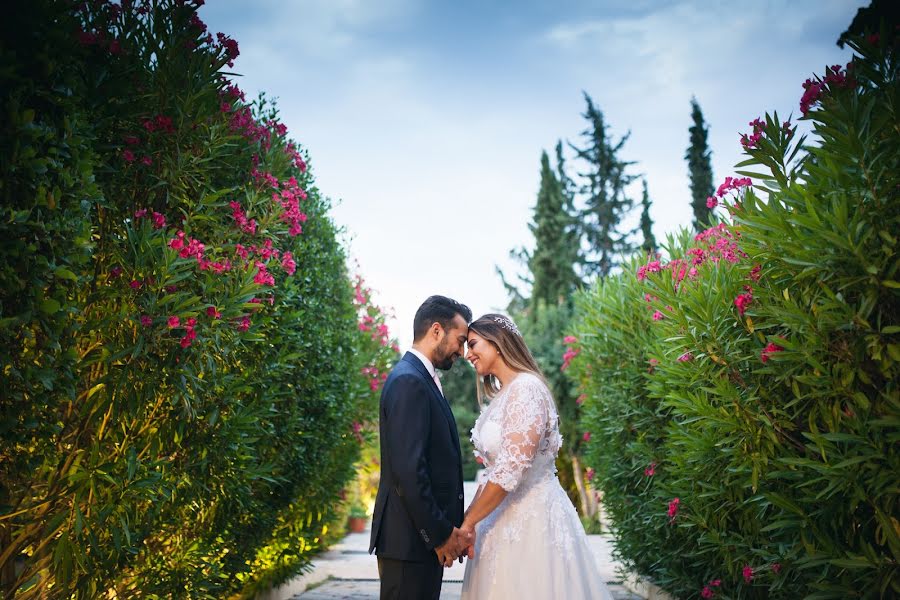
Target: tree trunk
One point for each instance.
(585, 493)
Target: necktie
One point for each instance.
(438, 382)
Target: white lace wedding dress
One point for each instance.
(532, 546)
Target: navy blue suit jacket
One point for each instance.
(420, 495)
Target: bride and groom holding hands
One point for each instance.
(521, 534)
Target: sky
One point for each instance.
(425, 119)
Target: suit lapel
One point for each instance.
(442, 401)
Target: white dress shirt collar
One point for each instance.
(428, 366)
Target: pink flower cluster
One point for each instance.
(686, 357)
(159, 123)
(230, 47)
(237, 213)
(721, 244)
(296, 158)
(375, 378)
(242, 122)
(263, 277)
(189, 327)
(652, 267)
(750, 140)
(289, 198)
(586, 437)
(589, 474)
(742, 301)
(651, 470)
(672, 512)
(158, 219)
(835, 77)
(128, 154)
(733, 183)
(571, 351)
(191, 248)
(770, 349)
(708, 591)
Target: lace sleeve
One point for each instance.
(522, 423)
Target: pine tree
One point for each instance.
(698, 158)
(552, 263)
(605, 201)
(649, 245)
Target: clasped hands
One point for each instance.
(460, 543)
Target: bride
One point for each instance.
(529, 542)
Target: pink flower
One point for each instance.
(147, 161)
(651, 470)
(748, 573)
(128, 155)
(706, 593)
(715, 582)
(141, 212)
(244, 323)
(812, 91)
(570, 354)
(776, 568)
(587, 436)
(173, 322)
(743, 301)
(686, 357)
(146, 320)
(755, 273)
(159, 220)
(589, 474)
(771, 348)
(213, 312)
(658, 316)
(288, 264)
(135, 284)
(711, 202)
(570, 339)
(580, 399)
(673, 509)
(115, 272)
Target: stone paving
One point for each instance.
(348, 571)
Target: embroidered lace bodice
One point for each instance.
(517, 434)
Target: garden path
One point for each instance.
(347, 571)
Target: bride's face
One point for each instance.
(482, 354)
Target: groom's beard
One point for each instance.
(445, 361)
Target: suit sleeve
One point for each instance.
(408, 426)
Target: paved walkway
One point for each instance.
(347, 571)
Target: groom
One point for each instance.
(419, 506)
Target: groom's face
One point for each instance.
(452, 345)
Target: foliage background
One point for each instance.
(181, 350)
(742, 396)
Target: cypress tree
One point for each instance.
(552, 263)
(649, 245)
(698, 159)
(605, 202)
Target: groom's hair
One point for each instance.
(438, 309)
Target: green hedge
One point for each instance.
(144, 456)
(743, 403)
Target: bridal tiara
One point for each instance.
(508, 325)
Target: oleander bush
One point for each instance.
(743, 407)
(182, 358)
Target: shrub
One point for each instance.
(177, 331)
(742, 398)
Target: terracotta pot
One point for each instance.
(357, 524)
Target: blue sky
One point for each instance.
(425, 119)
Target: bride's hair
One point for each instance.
(503, 334)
